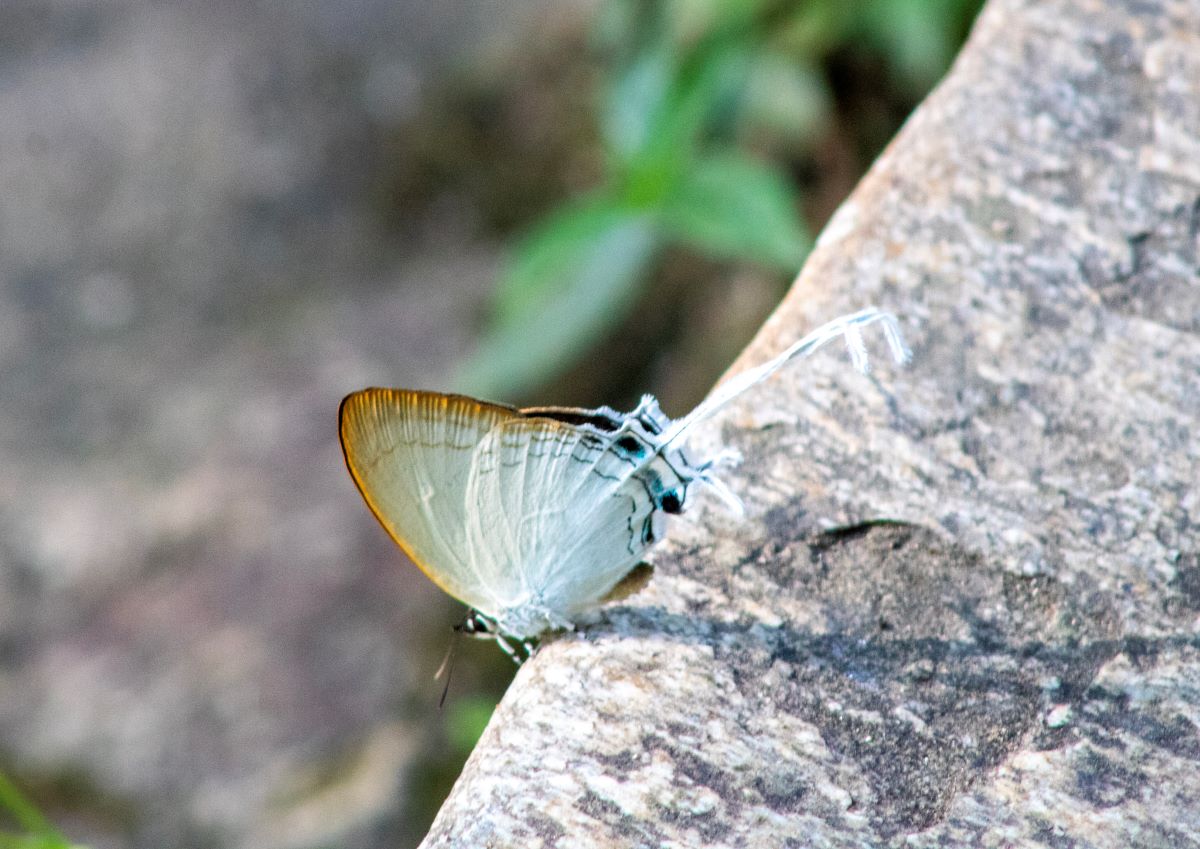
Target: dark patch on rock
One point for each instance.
(783, 792)
(1050, 739)
(598, 807)
(1165, 834)
(546, 828)
(713, 828)
(788, 521)
(935, 663)
(701, 773)
(624, 761)
(1104, 782)
(1110, 716)
(1187, 581)
(618, 822)
(1051, 836)
(1146, 287)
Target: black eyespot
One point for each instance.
(630, 445)
(670, 502)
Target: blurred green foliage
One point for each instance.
(465, 720)
(686, 84)
(32, 829)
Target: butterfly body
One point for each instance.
(532, 516)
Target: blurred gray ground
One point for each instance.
(204, 641)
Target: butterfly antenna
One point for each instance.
(857, 349)
(848, 327)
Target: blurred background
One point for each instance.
(217, 217)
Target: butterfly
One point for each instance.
(532, 516)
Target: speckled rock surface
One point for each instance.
(964, 608)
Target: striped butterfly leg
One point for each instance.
(728, 458)
(483, 627)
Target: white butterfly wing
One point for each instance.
(558, 518)
(410, 454)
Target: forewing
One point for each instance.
(410, 454)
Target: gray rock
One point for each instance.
(963, 609)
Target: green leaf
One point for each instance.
(41, 834)
(705, 89)
(787, 96)
(817, 28)
(664, 105)
(732, 206)
(569, 282)
(543, 263)
(26, 815)
(691, 21)
(636, 101)
(916, 35)
(33, 841)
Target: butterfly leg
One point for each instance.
(728, 457)
(510, 649)
(484, 627)
(477, 625)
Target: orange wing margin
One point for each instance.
(378, 427)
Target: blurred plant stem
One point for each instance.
(34, 830)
